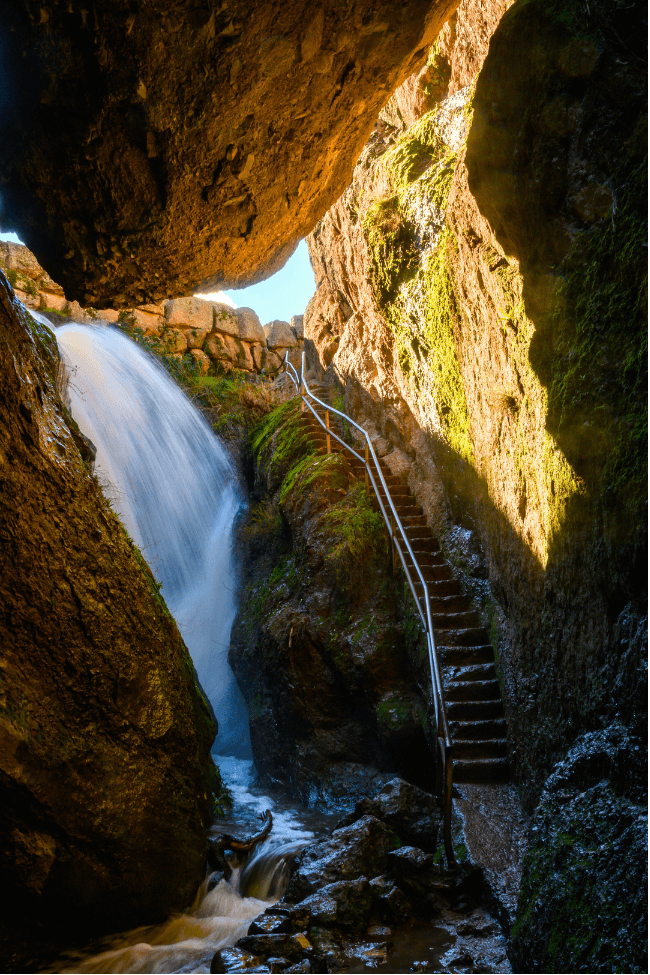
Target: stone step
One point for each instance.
(432, 574)
(412, 520)
(476, 672)
(420, 542)
(474, 636)
(479, 748)
(465, 656)
(473, 710)
(456, 621)
(482, 730)
(443, 587)
(447, 603)
(472, 690)
(481, 770)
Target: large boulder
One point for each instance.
(411, 812)
(147, 152)
(280, 335)
(359, 850)
(105, 737)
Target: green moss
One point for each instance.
(358, 536)
(393, 258)
(599, 370)
(12, 276)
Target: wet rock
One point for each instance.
(234, 960)
(411, 812)
(582, 905)
(291, 946)
(359, 850)
(391, 903)
(345, 904)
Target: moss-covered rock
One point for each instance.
(105, 738)
(318, 645)
(583, 901)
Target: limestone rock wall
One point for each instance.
(105, 738)
(480, 301)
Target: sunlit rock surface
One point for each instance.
(105, 738)
(147, 151)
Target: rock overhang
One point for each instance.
(155, 153)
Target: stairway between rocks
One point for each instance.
(470, 686)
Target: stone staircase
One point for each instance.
(466, 657)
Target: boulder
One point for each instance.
(359, 850)
(148, 322)
(234, 960)
(189, 313)
(280, 335)
(201, 361)
(265, 359)
(343, 904)
(105, 314)
(173, 340)
(298, 325)
(229, 351)
(196, 337)
(411, 812)
(250, 327)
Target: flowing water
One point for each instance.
(173, 486)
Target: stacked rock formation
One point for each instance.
(212, 333)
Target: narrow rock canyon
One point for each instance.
(471, 180)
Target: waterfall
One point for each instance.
(170, 481)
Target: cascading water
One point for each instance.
(172, 485)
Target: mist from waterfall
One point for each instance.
(171, 482)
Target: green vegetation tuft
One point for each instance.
(358, 536)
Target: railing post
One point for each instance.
(327, 424)
(446, 814)
(367, 477)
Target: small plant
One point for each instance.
(12, 276)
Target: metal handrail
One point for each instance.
(445, 766)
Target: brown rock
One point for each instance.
(146, 321)
(105, 739)
(201, 361)
(189, 313)
(195, 337)
(173, 340)
(206, 175)
(280, 336)
(264, 359)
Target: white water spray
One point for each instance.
(172, 484)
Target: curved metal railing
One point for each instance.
(400, 544)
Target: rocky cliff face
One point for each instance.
(105, 737)
(481, 303)
(507, 378)
(148, 151)
(337, 701)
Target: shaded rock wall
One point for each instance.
(502, 363)
(148, 151)
(105, 761)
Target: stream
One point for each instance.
(171, 482)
